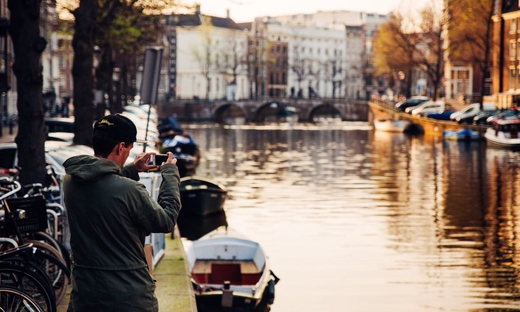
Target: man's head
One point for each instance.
(113, 137)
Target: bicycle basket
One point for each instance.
(33, 220)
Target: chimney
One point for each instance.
(197, 8)
(227, 13)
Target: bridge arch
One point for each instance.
(228, 110)
(324, 109)
(277, 109)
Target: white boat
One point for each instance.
(229, 272)
(461, 135)
(391, 125)
(504, 133)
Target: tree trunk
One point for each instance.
(82, 70)
(28, 47)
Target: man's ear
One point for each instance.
(120, 148)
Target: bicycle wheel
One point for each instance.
(30, 282)
(16, 300)
(57, 273)
(52, 264)
(46, 238)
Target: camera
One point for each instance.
(158, 159)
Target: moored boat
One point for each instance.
(504, 133)
(188, 157)
(461, 135)
(229, 272)
(391, 125)
(201, 197)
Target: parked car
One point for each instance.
(480, 118)
(445, 115)
(429, 107)
(470, 110)
(506, 114)
(55, 154)
(59, 124)
(413, 101)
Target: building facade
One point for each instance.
(210, 58)
(506, 53)
(315, 59)
(359, 30)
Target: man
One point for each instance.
(109, 216)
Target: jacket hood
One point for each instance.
(85, 168)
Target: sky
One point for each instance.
(247, 10)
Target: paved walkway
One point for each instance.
(6, 136)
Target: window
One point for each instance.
(512, 49)
(512, 78)
(513, 25)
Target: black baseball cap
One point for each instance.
(116, 127)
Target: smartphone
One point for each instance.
(158, 159)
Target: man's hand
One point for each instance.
(142, 162)
(170, 159)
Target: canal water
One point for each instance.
(358, 220)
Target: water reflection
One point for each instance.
(381, 221)
(193, 227)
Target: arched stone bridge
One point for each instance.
(260, 110)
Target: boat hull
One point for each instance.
(188, 158)
(462, 135)
(201, 197)
(213, 302)
(499, 140)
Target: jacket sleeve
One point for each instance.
(161, 216)
(129, 171)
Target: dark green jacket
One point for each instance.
(109, 216)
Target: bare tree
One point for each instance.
(203, 52)
(334, 69)
(403, 45)
(234, 59)
(85, 29)
(257, 61)
(298, 64)
(470, 32)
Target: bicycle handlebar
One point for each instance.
(14, 191)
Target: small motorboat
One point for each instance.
(461, 135)
(188, 157)
(201, 197)
(391, 125)
(229, 272)
(504, 133)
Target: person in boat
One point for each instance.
(178, 140)
(109, 215)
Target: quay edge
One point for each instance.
(384, 110)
